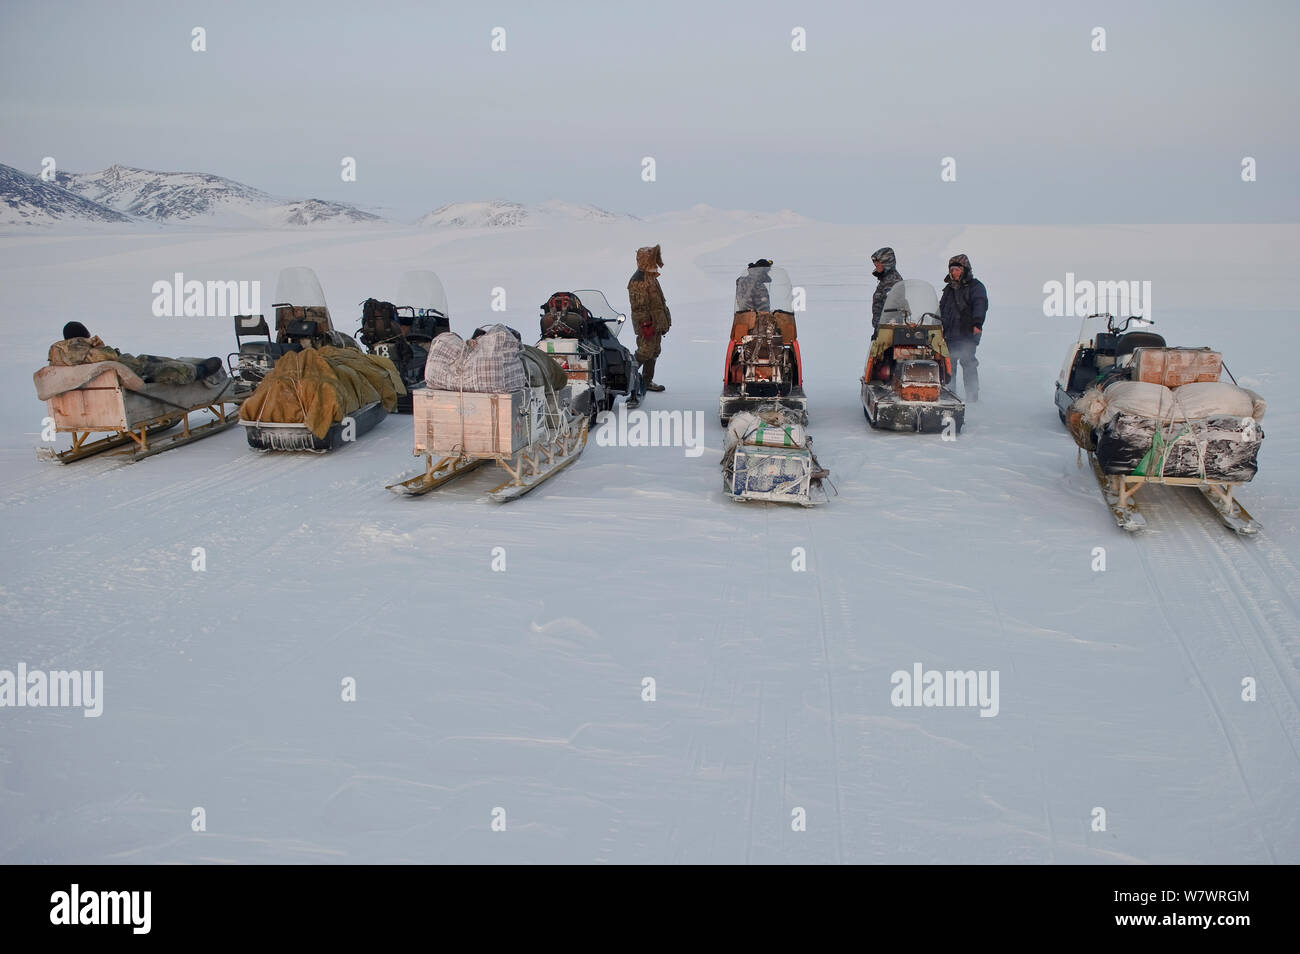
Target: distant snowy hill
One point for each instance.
(191, 196)
(314, 211)
(163, 196)
(28, 200)
(499, 213)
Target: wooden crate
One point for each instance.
(1174, 367)
(469, 423)
(97, 406)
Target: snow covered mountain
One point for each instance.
(314, 211)
(500, 213)
(28, 200)
(162, 196)
(186, 196)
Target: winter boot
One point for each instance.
(648, 376)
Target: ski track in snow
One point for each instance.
(521, 689)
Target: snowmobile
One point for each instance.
(1148, 413)
(108, 397)
(906, 385)
(580, 331)
(1098, 354)
(763, 365)
(769, 457)
(532, 432)
(401, 332)
(302, 320)
(302, 323)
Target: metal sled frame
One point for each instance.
(527, 469)
(1121, 490)
(805, 491)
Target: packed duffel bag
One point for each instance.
(491, 363)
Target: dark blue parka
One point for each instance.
(964, 303)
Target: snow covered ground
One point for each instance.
(521, 690)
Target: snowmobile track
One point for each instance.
(1174, 549)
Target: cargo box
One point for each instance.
(1174, 367)
(471, 423)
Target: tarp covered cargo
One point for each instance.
(318, 387)
(1208, 430)
(766, 429)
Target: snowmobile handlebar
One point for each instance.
(1120, 325)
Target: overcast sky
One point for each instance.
(1043, 130)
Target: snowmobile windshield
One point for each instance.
(298, 286)
(422, 292)
(595, 302)
(911, 302)
(764, 288)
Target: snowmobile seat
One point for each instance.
(248, 326)
(1137, 339)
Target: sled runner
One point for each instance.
(528, 426)
(109, 398)
(769, 457)
(763, 366)
(906, 383)
(1120, 490)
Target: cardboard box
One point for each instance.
(1174, 367)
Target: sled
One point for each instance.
(768, 457)
(109, 398)
(528, 439)
(277, 436)
(1120, 490)
(775, 475)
